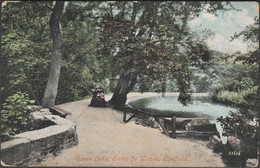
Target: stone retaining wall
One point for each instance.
(30, 148)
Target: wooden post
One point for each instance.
(173, 126)
(164, 130)
(124, 117)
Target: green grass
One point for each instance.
(233, 97)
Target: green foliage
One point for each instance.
(153, 41)
(109, 84)
(207, 79)
(26, 51)
(237, 83)
(237, 73)
(243, 125)
(242, 88)
(252, 97)
(102, 40)
(246, 97)
(250, 35)
(244, 80)
(232, 97)
(80, 68)
(25, 48)
(171, 86)
(15, 117)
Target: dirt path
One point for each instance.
(104, 140)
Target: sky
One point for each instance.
(226, 24)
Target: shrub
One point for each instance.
(240, 124)
(244, 98)
(15, 117)
(243, 125)
(230, 97)
(251, 97)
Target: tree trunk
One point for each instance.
(54, 74)
(1, 68)
(125, 85)
(258, 85)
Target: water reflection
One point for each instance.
(201, 107)
(168, 105)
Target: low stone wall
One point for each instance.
(30, 148)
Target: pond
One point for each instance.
(201, 107)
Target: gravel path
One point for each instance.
(104, 140)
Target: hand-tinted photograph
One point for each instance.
(130, 83)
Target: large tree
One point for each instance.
(26, 51)
(50, 93)
(148, 41)
(80, 69)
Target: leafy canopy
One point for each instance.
(152, 39)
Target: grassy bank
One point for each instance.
(244, 98)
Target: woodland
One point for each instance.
(52, 53)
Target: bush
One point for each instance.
(244, 98)
(251, 97)
(15, 117)
(230, 97)
(240, 124)
(243, 125)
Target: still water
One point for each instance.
(201, 107)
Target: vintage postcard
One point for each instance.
(130, 83)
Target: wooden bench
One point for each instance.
(129, 108)
(58, 111)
